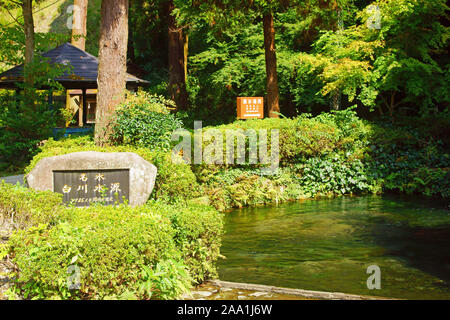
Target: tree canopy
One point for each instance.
(386, 57)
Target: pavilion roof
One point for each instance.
(83, 74)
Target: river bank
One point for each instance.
(225, 290)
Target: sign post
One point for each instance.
(250, 107)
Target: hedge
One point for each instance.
(306, 136)
(21, 208)
(117, 249)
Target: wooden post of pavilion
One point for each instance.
(84, 108)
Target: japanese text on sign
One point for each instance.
(250, 107)
(82, 188)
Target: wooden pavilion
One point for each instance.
(81, 83)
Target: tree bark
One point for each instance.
(186, 53)
(79, 24)
(177, 84)
(112, 65)
(271, 66)
(27, 10)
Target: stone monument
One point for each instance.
(90, 177)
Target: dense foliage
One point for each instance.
(332, 153)
(144, 120)
(413, 159)
(384, 60)
(335, 154)
(154, 251)
(26, 116)
(385, 56)
(33, 208)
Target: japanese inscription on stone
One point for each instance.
(84, 187)
(88, 177)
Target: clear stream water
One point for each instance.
(328, 244)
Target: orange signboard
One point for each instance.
(250, 107)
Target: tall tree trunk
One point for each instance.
(112, 66)
(177, 84)
(78, 40)
(27, 10)
(186, 53)
(335, 100)
(271, 66)
(79, 24)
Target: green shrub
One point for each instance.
(198, 231)
(423, 180)
(353, 132)
(297, 137)
(320, 176)
(304, 136)
(168, 279)
(313, 177)
(411, 159)
(144, 121)
(308, 149)
(235, 187)
(430, 182)
(147, 101)
(174, 180)
(24, 128)
(21, 208)
(27, 117)
(109, 245)
(335, 153)
(154, 251)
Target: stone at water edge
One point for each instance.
(258, 294)
(203, 293)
